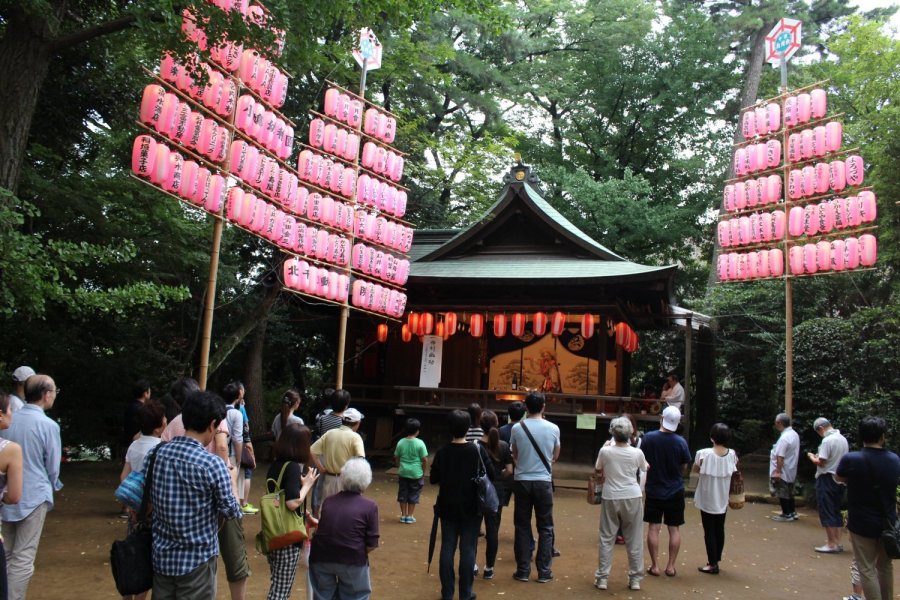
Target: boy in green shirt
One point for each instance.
(411, 457)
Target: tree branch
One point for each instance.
(89, 33)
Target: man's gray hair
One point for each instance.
(784, 419)
(621, 429)
(356, 475)
(821, 422)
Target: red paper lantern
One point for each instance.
(518, 324)
(540, 323)
(439, 330)
(621, 333)
(499, 325)
(587, 326)
(557, 323)
(382, 332)
(476, 324)
(450, 320)
(426, 324)
(405, 333)
(413, 321)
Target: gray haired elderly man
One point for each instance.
(828, 492)
(783, 468)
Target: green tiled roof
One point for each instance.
(509, 267)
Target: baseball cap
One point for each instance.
(351, 415)
(22, 373)
(671, 417)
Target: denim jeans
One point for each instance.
(334, 580)
(465, 533)
(534, 496)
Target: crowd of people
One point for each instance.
(202, 458)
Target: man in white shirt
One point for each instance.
(783, 468)
(672, 392)
(829, 492)
(16, 398)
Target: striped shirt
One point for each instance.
(191, 488)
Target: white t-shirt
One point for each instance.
(276, 424)
(674, 396)
(138, 450)
(235, 427)
(711, 495)
(788, 447)
(833, 447)
(620, 466)
(15, 403)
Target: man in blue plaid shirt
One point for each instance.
(191, 490)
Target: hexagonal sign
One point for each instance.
(783, 41)
(368, 52)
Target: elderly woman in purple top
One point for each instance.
(348, 531)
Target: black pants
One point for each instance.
(714, 536)
(788, 506)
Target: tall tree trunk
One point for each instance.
(231, 341)
(25, 54)
(253, 380)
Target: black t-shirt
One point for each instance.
(290, 483)
(454, 468)
(872, 475)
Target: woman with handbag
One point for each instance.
(292, 459)
(501, 459)
(454, 469)
(715, 466)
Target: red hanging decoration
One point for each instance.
(382, 332)
(439, 330)
(499, 325)
(476, 325)
(621, 333)
(587, 326)
(557, 323)
(540, 324)
(518, 324)
(450, 320)
(426, 323)
(413, 321)
(405, 333)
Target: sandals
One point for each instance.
(652, 573)
(671, 573)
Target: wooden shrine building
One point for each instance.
(521, 258)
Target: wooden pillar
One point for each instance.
(688, 343)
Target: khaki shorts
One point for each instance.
(233, 550)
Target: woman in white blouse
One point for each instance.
(715, 466)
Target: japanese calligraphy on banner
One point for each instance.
(432, 355)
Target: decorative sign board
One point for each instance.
(783, 41)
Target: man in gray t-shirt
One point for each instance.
(829, 492)
(534, 456)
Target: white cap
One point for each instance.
(671, 417)
(22, 373)
(351, 415)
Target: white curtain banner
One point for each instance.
(432, 353)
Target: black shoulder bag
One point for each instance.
(131, 559)
(488, 502)
(539, 453)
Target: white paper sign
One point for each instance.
(432, 354)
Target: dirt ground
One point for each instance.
(762, 559)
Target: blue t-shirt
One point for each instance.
(529, 466)
(667, 453)
(872, 475)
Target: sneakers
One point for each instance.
(409, 519)
(601, 583)
(784, 518)
(475, 570)
(853, 597)
(826, 549)
(545, 578)
(634, 583)
(249, 509)
(520, 576)
(489, 572)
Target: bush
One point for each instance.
(750, 435)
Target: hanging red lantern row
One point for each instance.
(587, 326)
(557, 323)
(518, 324)
(539, 326)
(450, 323)
(626, 337)
(476, 324)
(499, 325)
